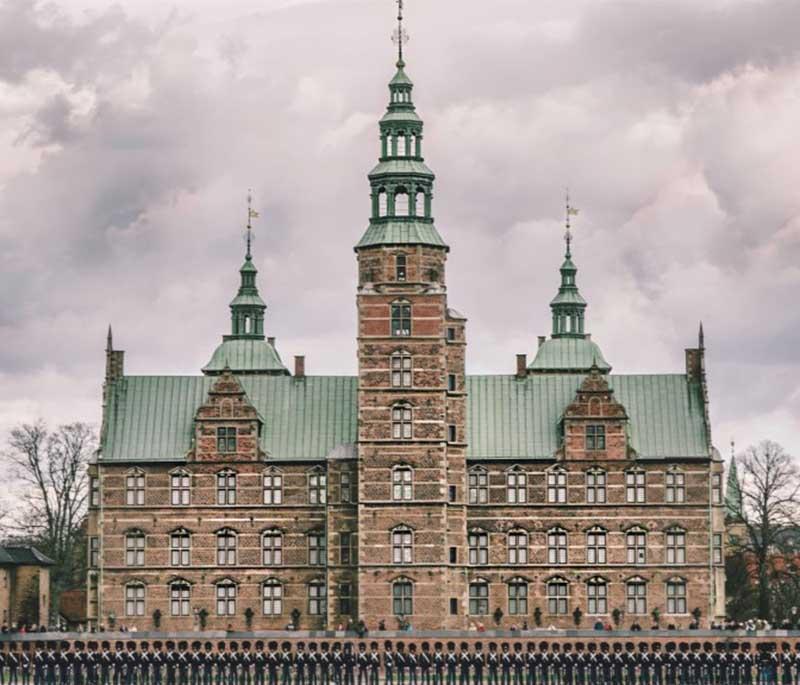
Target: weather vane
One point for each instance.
(251, 214)
(571, 211)
(400, 36)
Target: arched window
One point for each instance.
(479, 598)
(317, 486)
(675, 543)
(401, 319)
(400, 271)
(226, 547)
(401, 202)
(557, 596)
(635, 486)
(226, 487)
(272, 597)
(317, 598)
(675, 486)
(134, 548)
(676, 596)
(517, 547)
(180, 593)
(179, 488)
(478, 547)
(517, 597)
(636, 596)
(134, 488)
(272, 547)
(557, 546)
(134, 599)
(402, 597)
(420, 209)
(402, 546)
(226, 598)
(636, 545)
(383, 201)
(401, 369)
(402, 484)
(557, 486)
(597, 596)
(595, 486)
(478, 485)
(273, 486)
(516, 486)
(180, 548)
(402, 422)
(596, 546)
(401, 144)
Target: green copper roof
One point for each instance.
(509, 418)
(151, 417)
(23, 556)
(568, 297)
(248, 301)
(401, 166)
(402, 116)
(733, 493)
(401, 78)
(568, 354)
(248, 355)
(401, 233)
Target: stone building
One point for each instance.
(24, 586)
(250, 496)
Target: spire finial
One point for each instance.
(251, 214)
(733, 450)
(571, 211)
(109, 340)
(400, 36)
(701, 338)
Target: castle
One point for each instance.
(251, 497)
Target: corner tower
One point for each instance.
(411, 392)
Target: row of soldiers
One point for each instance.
(231, 663)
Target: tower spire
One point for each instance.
(251, 214)
(568, 306)
(571, 211)
(400, 35)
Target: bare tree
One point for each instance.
(51, 469)
(767, 511)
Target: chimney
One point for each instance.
(300, 366)
(522, 365)
(271, 341)
(694, 364)
(542, 338)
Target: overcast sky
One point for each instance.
(129, 134)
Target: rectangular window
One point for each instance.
(451, 493)
(180, 549)
(478, 482)
(317, 488)
(134, 489)
(517, 547)
(516, 487)
(402, 484)
(400, 267)
(451, 382)
(226, 549)
(635, 491)
(272, 598)
(226, 599)
(479, 599)
(401, 370)
(451, 433)
(402, 548)
(345, 488)
(273, 488)
(94, 491)
(345, 599)
(676, 597)
(557, 547)
(636, 545)
(596, 547)
(317, 599)
(401, 320)
(316, 549)
(345, 549)
(478, 548)
(517, 599)
(179, 599)
(557, 596)
(226, 488)
(226, 440)
(454, 555)
(402, 598)
(94, 551)
(597, 594)
(596, 487)
(451, 334)
(179, 489)
(272, 548)
(636, 592)
(134, 600)
(716, 488)
(717, 548)
(134, 549)
(676, 487)
(401, 423)
(557, 487)
(676, 547)
(595, 437)
(454, 606)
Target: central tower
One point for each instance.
(411, 391)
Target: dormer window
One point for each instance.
(595, 437)
(400, 267)
(226, 440)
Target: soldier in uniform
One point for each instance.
(412, 663)
(617, 663)
(629, 661)
(311, 663)
(425, 663)
(324, 664)
(671, 664)
(580, 663)
(157, 660)
(519, 664)
(287, 661)
(271, 659)
(374, 664)
(786, 659)
(643, 663)
(452, 663)
(362, 662)
(25, 664)
(207, 663)
(184, 662)
(746, 664)
(300, 661)
(506, 663)
(12, 662)
(438, 664)
(50, 663)
(568, 665)
(594, 669)
(337, 660)
(400, 662)
(478, 663)
(388, 662)
(464, 664)
(605, 664)
(78, 662)
(492, 664)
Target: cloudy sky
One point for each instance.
(129, 134)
